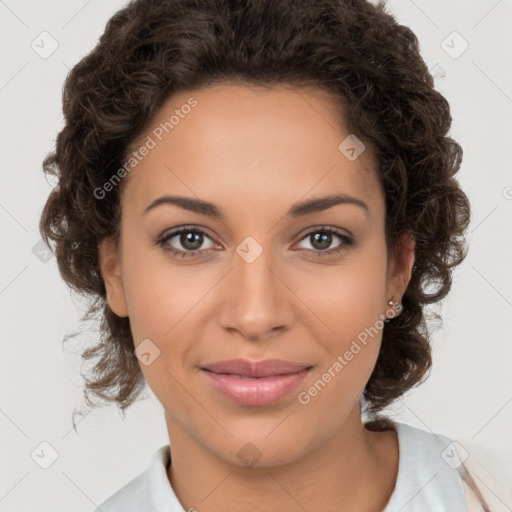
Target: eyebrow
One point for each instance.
(298, 209)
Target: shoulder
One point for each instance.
(452, 470)
(131, 497)
(427, 476)
(422, 449)
(486, 474)
(138, 495)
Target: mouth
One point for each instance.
(255, 383)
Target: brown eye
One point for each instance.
(321, 239)
(191, 241)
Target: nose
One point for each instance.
(257, 302)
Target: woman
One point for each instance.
(259, 196)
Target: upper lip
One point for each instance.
(247, 368)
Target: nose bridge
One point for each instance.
(256, 299)
(253, 267)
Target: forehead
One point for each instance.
(251, 148)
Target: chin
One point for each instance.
(268, 447)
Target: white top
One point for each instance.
(428, 479)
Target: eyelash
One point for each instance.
(347, 241)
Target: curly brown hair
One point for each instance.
(151, 49)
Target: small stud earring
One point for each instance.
(394, 305)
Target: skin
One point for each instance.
(254, 153)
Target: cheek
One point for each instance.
(158, 294)
(163, 302)
(349, 298)
(351, 306)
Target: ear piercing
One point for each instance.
(394, 305)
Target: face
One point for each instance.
(266, 277)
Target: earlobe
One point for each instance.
(110, 269)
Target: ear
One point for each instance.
(400, 267)
(110, 268)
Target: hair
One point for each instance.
(353, 49)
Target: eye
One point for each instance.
(322, 238)
(191, 239)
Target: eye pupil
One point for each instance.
(196, 240)
(323, 238)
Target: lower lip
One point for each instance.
(256, 391)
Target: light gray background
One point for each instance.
(469, 392)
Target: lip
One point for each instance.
(255, 382)
(247, 368)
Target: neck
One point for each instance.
(355, 469)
